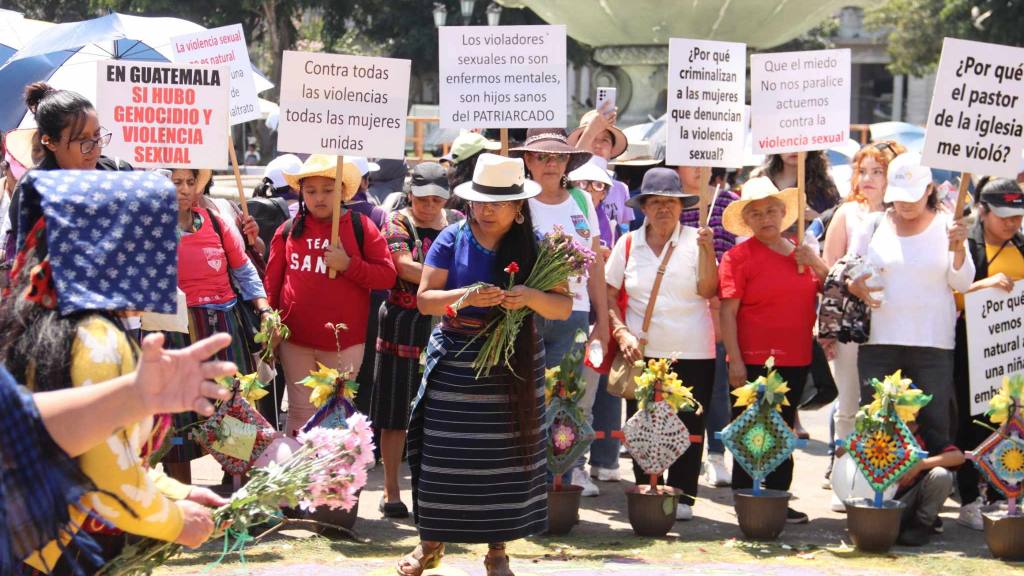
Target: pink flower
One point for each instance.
(306, 505)
(512, 268)
(450, 312)
(563, 437)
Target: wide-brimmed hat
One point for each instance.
(429, 179)
(498, 179)
(619, 140)
(758, 189)
(551, 141)
(662, 182)
(18, 144)
(467, 144)
(595, 170)
(907, 179)
(326, 165)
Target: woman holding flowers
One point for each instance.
(768, 305)
(476, 444)
(326, 316)
(683, 333)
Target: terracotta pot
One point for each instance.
(563, 508)
(652, 513)
(873, 529)
(1004, 535)
(761, 517)
(337, 517)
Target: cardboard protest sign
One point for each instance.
(706, 94)
(502, 76)
(800, 101)
(164, 115)
(995, 336)
(976, 121)
(224, 46)
(338, 104)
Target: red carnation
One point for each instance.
(512, 268)
(329, 326)
(449, 311)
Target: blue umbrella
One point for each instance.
(65, 55)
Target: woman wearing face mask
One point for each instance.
(913, 315)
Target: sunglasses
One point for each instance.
(592, 185)
(545, 157)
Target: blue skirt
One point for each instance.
(469, 480)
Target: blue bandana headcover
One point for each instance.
(110, 236)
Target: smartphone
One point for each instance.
(605, 103)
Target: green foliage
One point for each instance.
(917, 27)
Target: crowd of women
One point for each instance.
(398, 305)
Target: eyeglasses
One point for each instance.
(88, 144)
(545, 157)
(886, 147)
(592, 185)
(490, 205)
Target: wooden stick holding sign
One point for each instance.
(504, 141)
(336, 209)
(242, 202)
(801, 184)
(705, 178)
(961, 201)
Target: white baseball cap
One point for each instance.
(365, 167)
(278, 166)
(908, 180)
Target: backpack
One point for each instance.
(269, 214)
(357, 229)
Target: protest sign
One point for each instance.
(224, 46)
(976, 120)
(163, 115)
(800, 101)
(502, 76)
(995, 334)
(339, 104)
(706, 96)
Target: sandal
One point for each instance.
(420, 559)
(497, 565)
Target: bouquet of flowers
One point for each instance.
(559, 257)
(328, 469)
(658, 377)
(334, 391)
(249, 386)
(894, 396)
(770, 389)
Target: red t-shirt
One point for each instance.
(777, 306)
(298, 284)
(204, 262)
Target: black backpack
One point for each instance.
(269, 214)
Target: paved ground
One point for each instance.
(604, 526)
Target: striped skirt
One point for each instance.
(401, 338)
(469, 480)
(204, 322)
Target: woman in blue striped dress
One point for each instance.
(477, 445)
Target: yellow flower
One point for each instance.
(745, 395)
(1010, 397)
(251, 387)
(324, 373)
(321, 393)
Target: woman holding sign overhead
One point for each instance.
(768, 306)
(327, 316)
(996, 246)
(913, 314)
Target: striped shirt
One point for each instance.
(724, 240)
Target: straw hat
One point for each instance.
(758, 189)
(551, 141)
(619, 141)
(326, 165)
(498, 179)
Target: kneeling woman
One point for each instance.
(476, 445)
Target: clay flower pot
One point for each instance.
(873, 529)
(1004, 535)
(563, 508)
(761, 517)
(652, 513)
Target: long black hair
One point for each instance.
(821, 190)
(519, 245)
(55, 110)
(35, 342)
